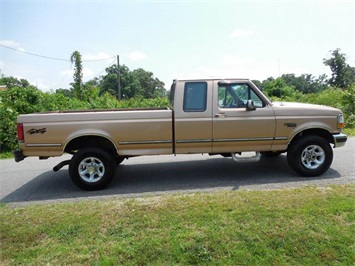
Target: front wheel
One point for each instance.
(92, 169)
(310, 156)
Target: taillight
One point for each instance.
(20, 135)
(340, 123)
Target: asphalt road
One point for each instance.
(33, 181)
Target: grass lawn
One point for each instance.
(349, 131)
(6, 155)
(306, 226)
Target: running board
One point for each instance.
(237, 158)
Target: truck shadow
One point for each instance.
(159, 178)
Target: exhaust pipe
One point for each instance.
(60, 165)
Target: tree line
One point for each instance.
(343, 76)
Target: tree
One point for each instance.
(75, 59)
(65, 92)
(258, 84)
(136, 83)
(306, 83)
(278, 88)
(108, 83)
(12, 82)
(343, 75)
(151, 87)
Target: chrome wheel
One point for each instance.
(91, 169)
(312, 157)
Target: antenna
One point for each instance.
(118, 79)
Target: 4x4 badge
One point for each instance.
(37, 131)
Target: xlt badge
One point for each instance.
(290, 124)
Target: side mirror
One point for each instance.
(250, 105)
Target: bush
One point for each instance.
(348, 101)
(8, 140)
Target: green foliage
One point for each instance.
(330, 97)
(348, 100)
(65, 92)
(12, 82)
(277, 88)
(343, 75)
(306, 83)
(144, 103)
(134, 84)
(151, 87)
(75, 59)
(8, 140)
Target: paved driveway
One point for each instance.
(33, 181)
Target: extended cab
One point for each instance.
(214, 116)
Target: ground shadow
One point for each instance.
(132, 179)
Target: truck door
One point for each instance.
(236, 128)
(193, 117)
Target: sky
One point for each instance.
(173, 39)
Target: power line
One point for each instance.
(52, 58)
(98, 75)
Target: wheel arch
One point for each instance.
(321, 132)
(90, 140)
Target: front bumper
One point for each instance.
(339, 140)
(18, 156)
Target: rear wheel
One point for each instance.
(310, 156)
(92, 169)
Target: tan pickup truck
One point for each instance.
(214, 116)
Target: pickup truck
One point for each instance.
(214, 116)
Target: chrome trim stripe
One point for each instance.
(145, 142)
(229, 140)
(194, 141)
(243, 139)
(281, 138)
(198, 141)
(44, 145)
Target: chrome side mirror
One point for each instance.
(250, 105)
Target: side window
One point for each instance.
(195, 96)
(236, 96)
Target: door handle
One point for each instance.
(220, 115)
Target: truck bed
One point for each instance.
(132, 131)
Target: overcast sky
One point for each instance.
(173, 39)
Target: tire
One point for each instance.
(92, 169)
(310, 156)
(119, 159)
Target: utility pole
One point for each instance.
(118, 79)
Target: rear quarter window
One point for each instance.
(195, 97)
